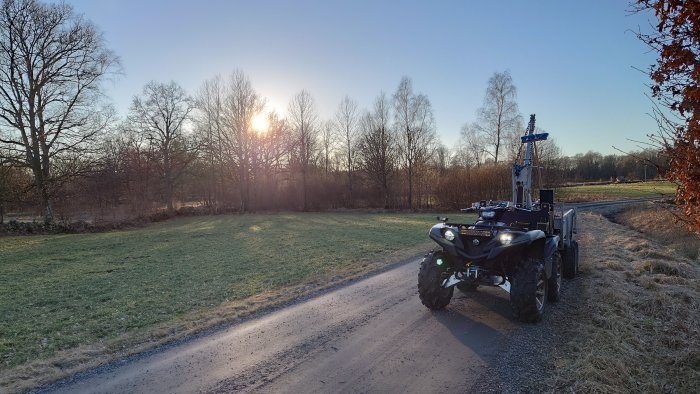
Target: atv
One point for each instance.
(525, 247)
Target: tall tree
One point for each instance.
(676, 85)
(303, 119)
(499, 117)
(376, 146)
(52, 62)
(346, 122)
(328, 143)
(160, 113)
(242, 104)
(415, 128)
(472, 146)
(209, 120)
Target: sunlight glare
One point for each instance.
(260, 122)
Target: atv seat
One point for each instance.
(524, 218)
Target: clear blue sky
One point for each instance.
(572, 61)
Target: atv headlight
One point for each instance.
(505, 238)
(449, 235)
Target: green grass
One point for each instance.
(616, 191)
(61, 292)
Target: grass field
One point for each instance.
(616, 191)
(65, 291)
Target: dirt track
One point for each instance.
(371, 336)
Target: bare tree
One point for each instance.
(376, 146)
(549, 158)
(346, 122)
(160, 113)
(209, 121)
(328, 140)
(415, 128)
(272, 150)
(511, 142)
(472, 147)
(499, 117)
(277, 143)
(303, 121)
(440, 158)
(242, 104)
(51, 64)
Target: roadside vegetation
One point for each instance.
(637, 310)
(659, 221)
(615, 191)
(73, 301)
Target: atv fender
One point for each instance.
(539, 249)
(531, 241)
(435, 234)
(550, 247)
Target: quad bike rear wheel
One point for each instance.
(554, 285)
(430, 289)
(570, 260)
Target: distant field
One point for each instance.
(616, 191)
(65, 291)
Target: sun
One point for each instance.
(260, 122)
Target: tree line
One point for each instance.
(64, 151)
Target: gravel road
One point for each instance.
(369, 336)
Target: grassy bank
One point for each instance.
(637, 314)
(616, 191)
(657, 221)
(106, 292)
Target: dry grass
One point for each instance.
(638, 316)
(656, 221)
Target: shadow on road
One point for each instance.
(479, 320)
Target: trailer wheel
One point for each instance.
(554, 285)
(430, 291)
(571, 261)
(528, 291)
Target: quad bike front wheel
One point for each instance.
(528, 291)
(430, 289)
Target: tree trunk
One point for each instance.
(350, 198)
(169, 196)
(385, 193)
(303, 189)
(45, 201)
(243, 186)
(169, 187)
(41, 187)
(410, 186)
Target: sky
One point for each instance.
(576, 64)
